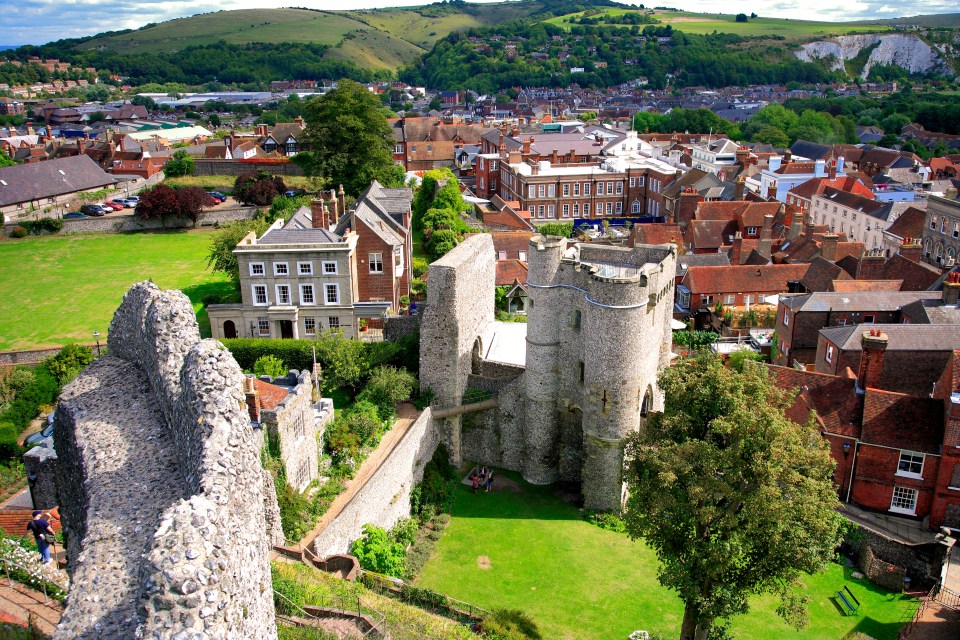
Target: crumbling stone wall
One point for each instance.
(162, 492)
(292, 423)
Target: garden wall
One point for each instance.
(385, 498)
(131, 223)
(922, 562)
(214, 167)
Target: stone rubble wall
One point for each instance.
(203, 571)
(385, 498)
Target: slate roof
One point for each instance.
(833, 398)
(382, 210)
(298, 235)
(711, 234)
(859, 301)
(889, 417)
(810, 150)
(700, 260)
(902, 337)
(821, 274)
(41, 180)
(932, 311)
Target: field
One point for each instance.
(701, 23)
(225, 183)
(530, 550)
(65, 287)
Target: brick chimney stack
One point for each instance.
(526, 146)
(871, 265)
(832, 171)
(252, 398)
(911, 249)
(687, 206)
(738, 187)
(874, 345)
(828, 249)
(341, 200)
(319, 215)
(951, 289)
(765, 246)
(796, 226)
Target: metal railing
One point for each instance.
(436, 603)
(10, 564)
(915, 618)
(949, 598)
(339, 607)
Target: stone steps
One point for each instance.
(20, 603)
(133, 475)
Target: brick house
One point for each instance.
(381, 220)
(736, 285)
(801, 317)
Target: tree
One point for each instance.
(349, 138)
(191, 201)
(146, 101)
(180, 165)
(742, 17)
(258, 188)
(269, 366)
(220, 256)
(735, 498)
(5, 160)
(159, 202)
(386, 387)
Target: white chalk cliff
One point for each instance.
(905, 50)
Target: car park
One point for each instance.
(114, 206)
(127, 202)
(134, 199)
(93, 210)
(74, 215)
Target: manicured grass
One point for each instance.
(580, 581)
(703, 23)
(65, 287)
(225, 183)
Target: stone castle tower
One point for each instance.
(597, 336)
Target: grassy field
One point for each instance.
(530, 550)
(62, 288)
(702, 23)
(373, 49)
(225, 184)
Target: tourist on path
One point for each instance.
(42, 533)
(489, 481)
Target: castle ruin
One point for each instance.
(582, 379)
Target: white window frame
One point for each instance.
(263, 269)
(786, 317)
(501, 255)
(609, 208)
(309, 326)
(730, 299)
(266, 295)
(828, 353)
(633, 181)
(540, 210)
(551, 211)
(610, 188)
(313, 295)
(281, 268)
(376, 258)
(328, 263)
(909, 459)
(576, 209)
(541, 190)
(586, 188)
(551, 190)
(600, 189)
(639, 181)
(308, 271)
(565, 211)
(261, 324)
(532, 191)
(283, 287)
(618, 209)
(576, 188)
(522, 256)
(904, 496)
(326, 292)
(566, 189)
(586, 209)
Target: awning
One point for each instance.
(676, 325)
(370, 309)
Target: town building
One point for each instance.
(860, 218)
(33, 187)
(782, 175)
(941, 233)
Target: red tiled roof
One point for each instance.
(833, 398)
(658, 233)
(270, 394)
(510, 271)
(910, 224)
(901, 421)
(720, 209)
(753, 214)
(13, 522)
(511, 242)
(770, 278)
(847, 285)
(815, 186)
(711, 234)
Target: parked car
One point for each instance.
(110, 204)
(119, 201)
(130, 202)
(134, 199)
(74, 215)
(217, 194)
(94, 210)
(213, 196)
(294, 192)
(39, 436)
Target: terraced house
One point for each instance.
(941, 234)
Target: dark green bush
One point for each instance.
(387, 386)
(44, 225)
(562, 229)
(510, 624)
(25, 406)
(69, 362)
(19, 232)
(438, 489)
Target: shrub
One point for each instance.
(19, 232)
(436, 492)
(738, 359)
(69, 362)
(269, 366)
(510, 624)
(606, 520)
(44, 225)
(387, 386)
(404, 531)
(378, 551)
(562, 229)
(441, 242)
(258, 188)
(420, 267)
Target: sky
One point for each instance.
(41, 21)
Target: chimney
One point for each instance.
(341, 200)
(819, 168)
(252, 397)
(738, 188)
(299, 121)
(796, 226)
(787, 156)
(320, 217)
(687, 206)
(555, 158)
(951, 289)
(573, 155)
(774, 163)
(871, 265)
(911, 249)
(514, 157)
(332, 206)
(832, 173)
(743, 156)
(228, 142)
(828, 247)
(261, 130)
(808, 233)
(765, 246)
(874, 344)
(526, 146)
(772, 191)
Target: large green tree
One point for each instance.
(349, 138)
(735, 498)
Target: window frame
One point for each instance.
(283, 287)
(326, 293)
(263, 269)
(301, 265)
(277, 268)
(333, 322)
(902, 499)
(313, 295)
(374, 259)
(309, 326)
(261, 324)
(911, 460)
(266, 295)
(326, 263)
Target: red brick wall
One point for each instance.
(375, 286)
(945, 497)
(875, 477)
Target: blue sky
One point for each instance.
(40, 21)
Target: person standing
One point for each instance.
(489, 481)
(476, 483)
(42, 533)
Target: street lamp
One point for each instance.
(96, 336)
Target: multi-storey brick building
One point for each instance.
(941, 234)
(862, 219)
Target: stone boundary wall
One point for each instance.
(922, 562)
(220, 167)
(396, 327)
(33, 356)
(130, 223)
(385, 498)
(205, 571)
(882, 573)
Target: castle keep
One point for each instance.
(581, 379)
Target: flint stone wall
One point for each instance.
(385, 498)
(162, 491)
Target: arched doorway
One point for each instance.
(646, 405)
(229, 329)
(475, 357)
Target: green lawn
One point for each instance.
(65, 287)
(580, 581)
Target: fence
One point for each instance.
(436, 603)
(25, 575)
